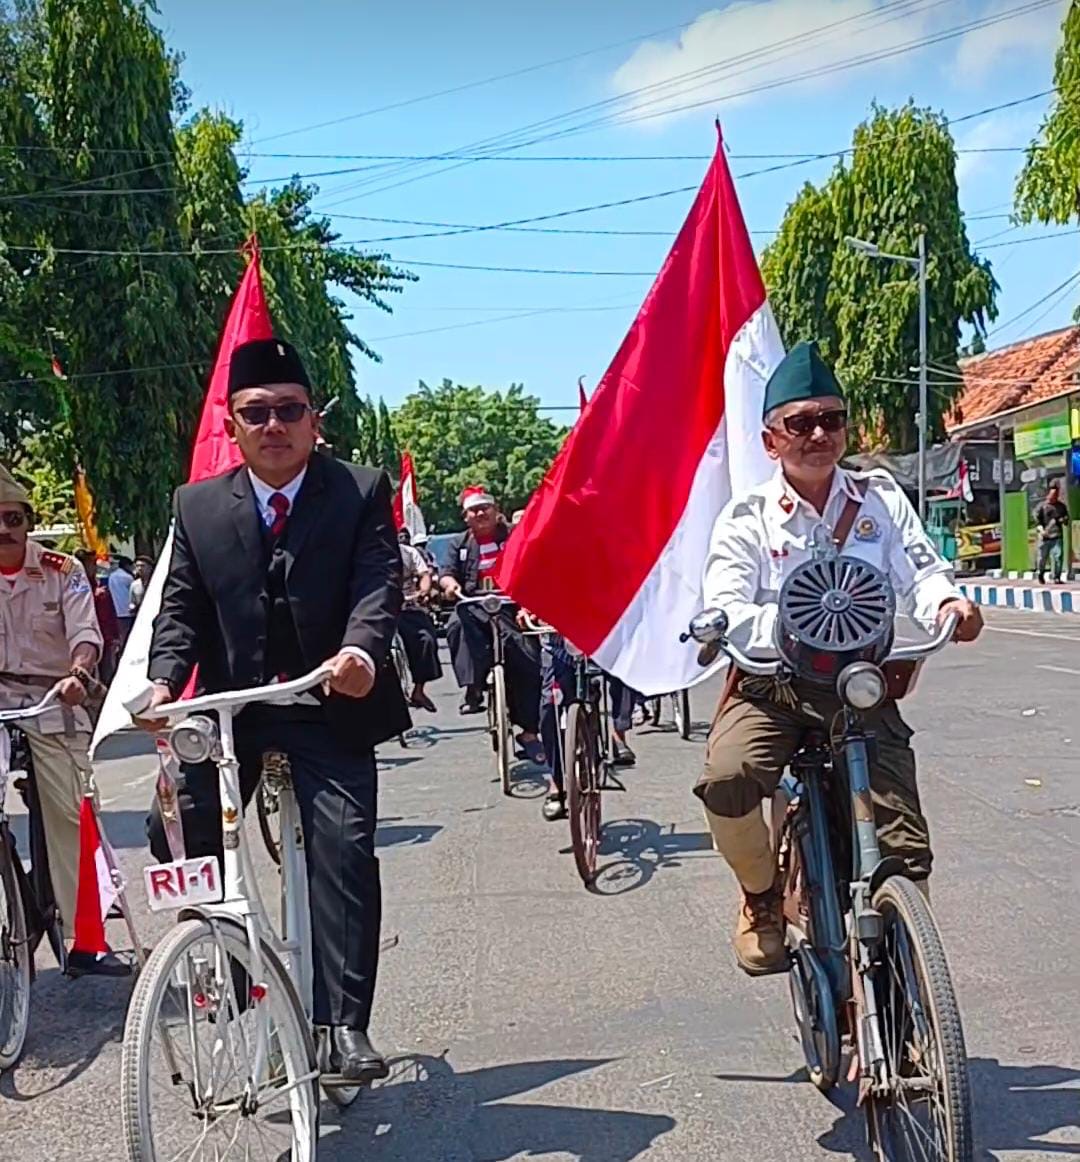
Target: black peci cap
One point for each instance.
(266, 361)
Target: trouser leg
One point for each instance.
(557, 677)
(421, 645)
(61, 763)
(468, 635)
(336, 793)
(623, 700)
(522, 655)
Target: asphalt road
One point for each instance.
(530, 1019)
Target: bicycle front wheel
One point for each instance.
(268, 811)
(15, 957)
(923, 1110)
(500, 726)
(194, 1082)
(581, 771)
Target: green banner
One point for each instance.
(1038, 437)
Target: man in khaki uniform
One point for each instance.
(49, 634)
(757, 542)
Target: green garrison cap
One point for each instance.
(802, 374)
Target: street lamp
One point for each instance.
(918, 261)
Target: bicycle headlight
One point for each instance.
(491, 605)
(195, 739)
(861, 686)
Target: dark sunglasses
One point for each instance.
(13, 520)
(257, 414)
(834, 420)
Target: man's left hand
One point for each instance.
(971, 620)
(349, 675)
(71, 691)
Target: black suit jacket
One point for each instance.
(343, 579)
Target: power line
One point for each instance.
(1035, 305)
(499, 319)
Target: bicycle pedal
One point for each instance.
(336, 1081)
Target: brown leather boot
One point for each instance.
(759, 933)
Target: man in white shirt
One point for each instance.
(119, 583)
(756, 543)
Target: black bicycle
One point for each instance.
(867, 967)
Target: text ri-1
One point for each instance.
(182, 883)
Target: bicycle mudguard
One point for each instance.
(890, 865)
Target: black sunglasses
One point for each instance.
(834, 420)
(257, 414)
(13, 520)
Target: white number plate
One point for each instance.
(183, 882)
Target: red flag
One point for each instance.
(583, 399)
(672, 429)
(96, 890)
(249, 318)
(407, 501)
(57, 369)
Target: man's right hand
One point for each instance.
(451, 589)
(145, 720)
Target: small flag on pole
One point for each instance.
(583, 399)
(96, 892)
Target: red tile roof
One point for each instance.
(1012, 377)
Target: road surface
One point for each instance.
(530, 1019)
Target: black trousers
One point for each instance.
(336, 794)
(468, 635)
(421, 644)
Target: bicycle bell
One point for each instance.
(832, 612)
(195, 739)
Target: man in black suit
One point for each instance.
(278, 567)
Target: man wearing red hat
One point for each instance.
(474, 559)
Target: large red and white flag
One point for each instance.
(213, 454)
(407, 511)
(612, 547)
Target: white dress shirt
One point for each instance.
(761, 537)
(263, 492)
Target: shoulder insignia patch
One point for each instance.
(60, 562)
(867, 530)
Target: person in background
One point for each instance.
(49, 637)
(415, 625)
(106, 615)
(473, 561)
(144, 569)
(120, 581)
(1051, 516)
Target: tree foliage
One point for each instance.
(461, 435)
(900, 179)
(120, 233)
(1048, 189)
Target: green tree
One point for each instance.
(1048, 189)
(900, 179)
(461, 435)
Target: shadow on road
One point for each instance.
(642, 847)
(405, 834)
(426, 1112)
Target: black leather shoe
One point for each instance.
(355, 1058)
(91, 964)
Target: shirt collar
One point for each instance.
(778, 489)
(263, 491)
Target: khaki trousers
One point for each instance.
(61, 763)
(754, 738)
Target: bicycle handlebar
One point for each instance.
(710, 629)
(275, 692)
(30, 711)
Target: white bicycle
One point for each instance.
(219, 1053)
(500, 728)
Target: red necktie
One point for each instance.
(279, 502)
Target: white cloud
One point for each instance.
(1009, 128)
(751, 44)
(984, 49)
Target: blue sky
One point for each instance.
(283, 68)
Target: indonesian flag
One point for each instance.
(96, 891)
(212, 455)
(670, 434)
(407, 512)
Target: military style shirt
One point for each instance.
(46, 610)
(761, 537)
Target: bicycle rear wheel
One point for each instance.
(581, 771)
(923, 1110)
(15, 958)
(190, 1084)
(500, 726)
(268, 810)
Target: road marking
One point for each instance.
(1060, 670)
(1054, 637)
